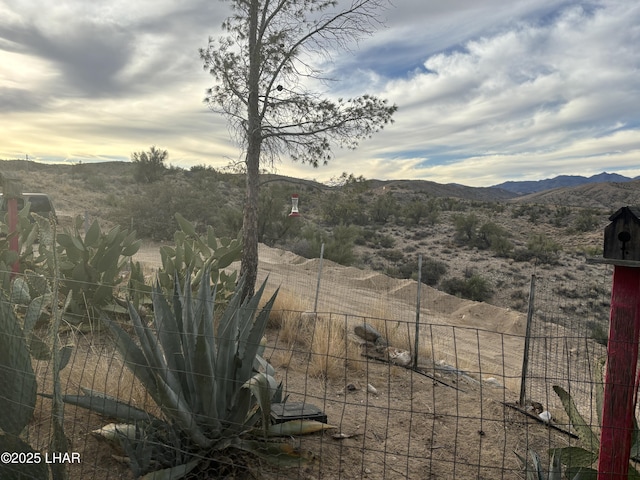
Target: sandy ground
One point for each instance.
(479, 338)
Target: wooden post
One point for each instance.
(619, 389)
(622, 250)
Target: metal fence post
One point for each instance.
(416, 342)
(315, 303)
(527, 340)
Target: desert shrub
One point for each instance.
(561, 216)
(392, 255)
(343, 208)
(338, 244)
(149, 166)
(383, 207)
(432, 271)
(386, 241)
(586, 221)
(156, 205)
(598, 332)
(466, 226)
(494, 237)
(274, 222)
(543, 247)
(473, 288)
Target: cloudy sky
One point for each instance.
(487, 91)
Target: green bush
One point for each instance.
(586, 221)
(432, 271)
(383, 207)
(473, 288)
(466, 228)
(149, 166)
(199, 201)
(338, 244)
(543, 247)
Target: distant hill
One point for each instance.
(445, 190)
(603, 195)
(524, 188)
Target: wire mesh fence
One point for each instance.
(433, 392)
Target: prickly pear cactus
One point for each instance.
(17, 395)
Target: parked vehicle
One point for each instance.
(40, 203)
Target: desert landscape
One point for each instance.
(449, 418)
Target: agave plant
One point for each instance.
(585, 456)
(212, 385)
(535, 470)
(576, 462)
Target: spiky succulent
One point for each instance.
(212, 385)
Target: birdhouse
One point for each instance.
(622, 235)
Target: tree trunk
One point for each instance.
(249, 262)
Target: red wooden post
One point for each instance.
(619, 389)
(621, 249)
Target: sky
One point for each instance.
(486, 91)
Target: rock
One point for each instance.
(397, 356)
(545, 416)
(372, 389)
(493, 381)
(367, 332)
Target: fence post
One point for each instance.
(527, 340)
(417, 339)
(315, 303)
(622, 250)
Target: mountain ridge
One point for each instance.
(561, 181)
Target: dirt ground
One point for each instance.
(446, 421)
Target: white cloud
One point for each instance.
(487, 91)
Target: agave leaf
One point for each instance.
(575, 456)
(153, 353)
(248, 349)
(538, 471)
(173, 473)
(204, 362)
(169, 334)
(581, 473)
(555, 467)
(599, 385)
(583, 430)
(109, 407)
(261, 364)
(263, 387)
(172, 404)
(298, 427)
(225, 365)
(187, 333)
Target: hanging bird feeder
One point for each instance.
(294, 206)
